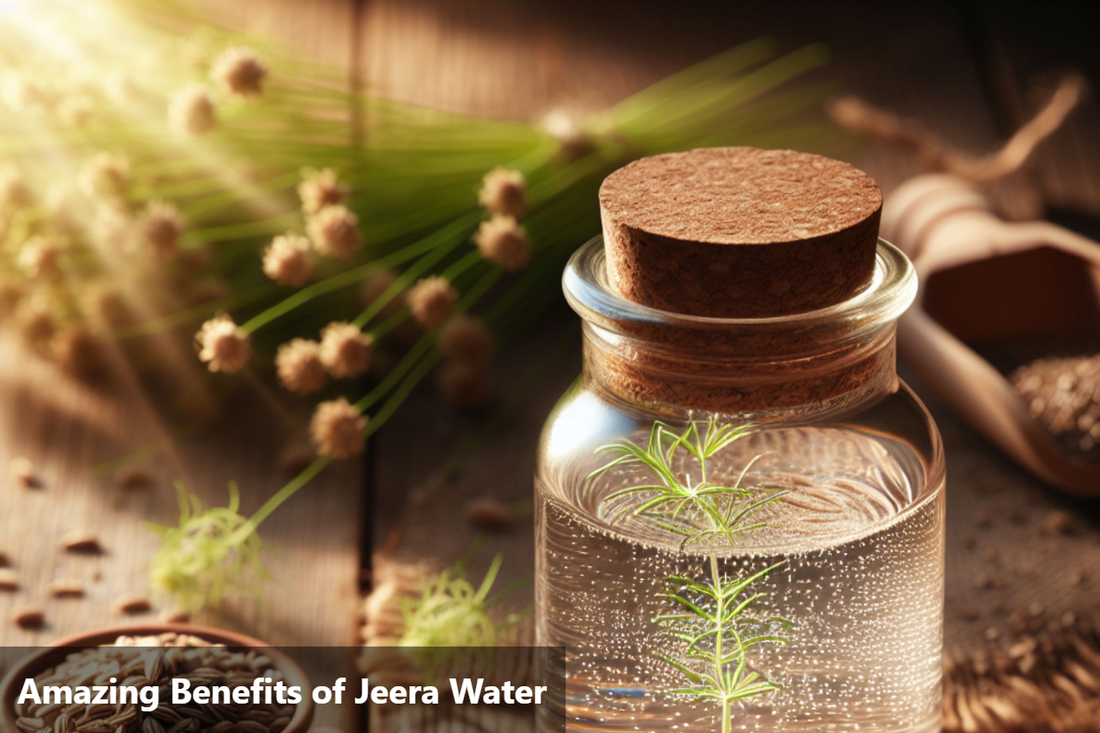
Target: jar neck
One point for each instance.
(762, 387)
(778, 368)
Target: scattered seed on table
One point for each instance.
(28, 616)
(133, 478)
(80, 540)
(175, 617)
(4, 561)
(132, 603)
(8, 579)
(22, 471)
(1058, 522)
(66, 588)
(489, 513)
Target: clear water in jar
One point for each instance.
(858, 583)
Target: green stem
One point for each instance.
(436, 241)
(720, 624)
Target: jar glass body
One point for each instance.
(740, 523)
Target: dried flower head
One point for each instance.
(504, 191)
(464, 386)
(319, 189)
(37, 325)
(223, 345)
(78, 351)
(466, 340)
(113, 226)
(75, 110)
(239, 72)
(14, 191)
(12, 292)
(504, 242)
(21, 94)
(337, 429)
(299, 366)
(40, 257)
(563, 127)
(334, 231)
(109, 308)
(161, 227)
(105, 175)
(345, 350)
(192, 111)
(288, 260)
(431, 301)
(65, 208)
(375, 286)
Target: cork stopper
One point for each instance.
(739, 232)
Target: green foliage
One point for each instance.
(413, 174)
(713, 626)
(679, 501)
(451, 612)
(210, 550)
(451, 615)
(716, 627)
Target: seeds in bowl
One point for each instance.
(139, 673)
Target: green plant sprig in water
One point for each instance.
(693, 507)
(715, 623)
(712, 619)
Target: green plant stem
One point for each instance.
(719, 623)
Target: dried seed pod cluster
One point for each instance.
(431, 301)
(192, 111)
(337, 429)
(157, 660)
(500, 239)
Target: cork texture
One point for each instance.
(739, 232)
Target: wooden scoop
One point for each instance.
(984, 282)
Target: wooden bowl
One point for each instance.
(53, 655)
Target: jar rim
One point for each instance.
(892, 290)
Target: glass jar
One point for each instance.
(740, 522)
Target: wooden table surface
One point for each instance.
(964, 70)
